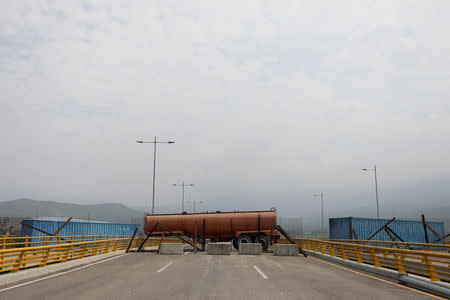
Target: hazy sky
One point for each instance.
(268, 102)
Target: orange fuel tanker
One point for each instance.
(237, 226)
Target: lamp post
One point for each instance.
(154, 166)
(194, 203)
(321, 200)
(183, 185)
(376, 187)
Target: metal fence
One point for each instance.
(15, 259)
(14, 223)
(8, 242)
(432, 264)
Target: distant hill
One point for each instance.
(109, 212)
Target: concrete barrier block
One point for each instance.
(171, 249)
(218, 249)
(285, 250)
(250, 248)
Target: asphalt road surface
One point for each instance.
(201, 276)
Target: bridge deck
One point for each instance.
(201, 276)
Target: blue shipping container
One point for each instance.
(77, 228)
(409, 231)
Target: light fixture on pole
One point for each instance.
(376, 187)
(321, 198)
(194, 202)
(154, 166)
(183, 185)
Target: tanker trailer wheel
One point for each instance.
(263, 240)
(244, 239)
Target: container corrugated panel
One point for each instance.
(340, 228)
(409, 231)
(78, 228)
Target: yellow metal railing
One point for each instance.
(402, 245)
(17, 253)
(7, 242)
(34, 241)
(432, 264)
(14, 259)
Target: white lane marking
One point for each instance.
(163, 268)
(260, 272)
(59, 274)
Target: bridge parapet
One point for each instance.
(431, 264)
(15, 259)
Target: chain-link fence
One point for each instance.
(10, 224)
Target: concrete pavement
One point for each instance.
(201, 276)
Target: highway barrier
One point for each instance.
(403, 245)
(171, 249)
(431, 264)
(250, 249)
(218, 249)
(8, 242)
(15, 259)
(285, 250)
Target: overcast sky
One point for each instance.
(268, 102)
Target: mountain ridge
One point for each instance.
(108, 212)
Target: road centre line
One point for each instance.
(59, 274)
(162, 269)
(260, 272)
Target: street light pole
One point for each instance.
(154, 166)
(321, 200)
(183, 185)
(154, 173)
(376, 188)
(194, 203)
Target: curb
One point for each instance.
(440, 288)
(9, 278)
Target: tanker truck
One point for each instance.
(237, 226)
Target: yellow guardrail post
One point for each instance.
(45, 255)
(107, 244)
(115, 243)
(59, 248)
(124, 243)
(357, 255)
(83, 253)
(101, 244)
(431, 271)
(18, 262)
(331, 249)
(344, 255)
(67, 254)
(95, 249)
(321, 247)
(2, 257)
(398, 262)
(376, 261)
